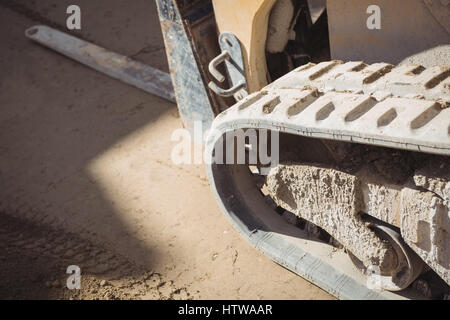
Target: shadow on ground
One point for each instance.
(57, 116)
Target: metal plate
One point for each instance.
(193, 98)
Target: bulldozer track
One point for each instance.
(405, 107)
(379, 79)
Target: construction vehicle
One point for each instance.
(358, 95)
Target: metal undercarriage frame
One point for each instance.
(195, 101)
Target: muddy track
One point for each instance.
(34, 260)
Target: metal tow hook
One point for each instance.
(232, 56)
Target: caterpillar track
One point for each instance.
(363, 159)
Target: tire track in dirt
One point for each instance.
(34, 259)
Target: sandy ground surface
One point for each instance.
(86, 177)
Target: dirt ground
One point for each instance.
(86, 177)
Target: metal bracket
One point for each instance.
(234, 62)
